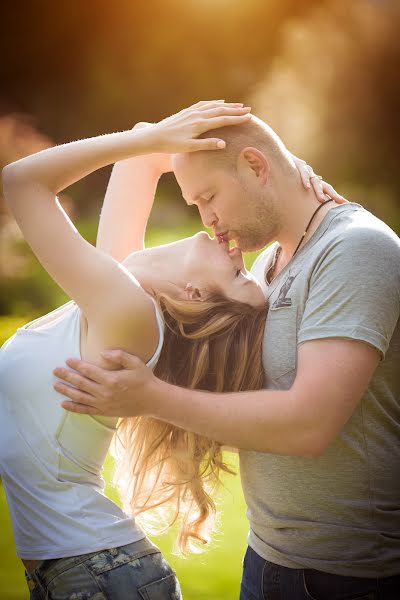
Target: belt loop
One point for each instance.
(33, 582)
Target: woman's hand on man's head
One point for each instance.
(180, 132)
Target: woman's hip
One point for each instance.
(136, 571)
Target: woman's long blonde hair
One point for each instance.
(213, 344)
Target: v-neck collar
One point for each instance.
(318, 233)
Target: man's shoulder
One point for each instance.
(357, 229)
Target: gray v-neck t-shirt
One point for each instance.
(338, 512)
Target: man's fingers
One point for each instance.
(82, 409)
(119, 357)
(93, 372)
(74, 394)
(83, 383)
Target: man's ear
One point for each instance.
(254, 159)
(192, 293)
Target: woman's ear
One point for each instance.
(192, 293)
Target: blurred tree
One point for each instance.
(81, 67)
(332, 94)
(323, 73)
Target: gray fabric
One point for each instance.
(339, 512)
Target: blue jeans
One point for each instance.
(263, 580)
(136, 571)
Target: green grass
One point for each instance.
(212, 575)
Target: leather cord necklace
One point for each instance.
(270, 273)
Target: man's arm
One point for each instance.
(331, 378)
(350, 315)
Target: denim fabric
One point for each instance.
(137, 571)
(263, 580)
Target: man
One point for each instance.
(319, 446)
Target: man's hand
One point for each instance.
(127, 391)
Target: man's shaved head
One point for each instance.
(237, 188)
(255, 134)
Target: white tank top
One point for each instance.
(51, 459)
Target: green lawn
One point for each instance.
(212, 575)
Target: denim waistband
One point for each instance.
(50, 568)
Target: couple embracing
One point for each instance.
(176, 353)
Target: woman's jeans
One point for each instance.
(136, 571)
(263, 580)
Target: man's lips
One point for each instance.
(223, 236)
(224, 241)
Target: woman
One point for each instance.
(70, 537)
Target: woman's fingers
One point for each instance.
(304, 171)
(316, 183)
(206, 144)
(225, 110)
(219, 104)
(332, 193)
(222, 121)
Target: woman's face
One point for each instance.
(209, 265)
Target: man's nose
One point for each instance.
(207, 216)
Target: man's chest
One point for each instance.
(286, 296)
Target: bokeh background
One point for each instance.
(323, 73)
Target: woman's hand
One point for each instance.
(323, 191)
(179, 132)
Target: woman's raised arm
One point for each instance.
(105, 291)
(128, 202)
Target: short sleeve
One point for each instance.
(354, 290)
(160, 322)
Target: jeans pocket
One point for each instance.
(328, 592)
(167, 588)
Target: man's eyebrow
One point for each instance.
(195, 198)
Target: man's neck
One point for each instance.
(297, 210)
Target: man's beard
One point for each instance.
(262, 229)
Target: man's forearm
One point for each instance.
(263, 421)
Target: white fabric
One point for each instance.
(51, 459)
